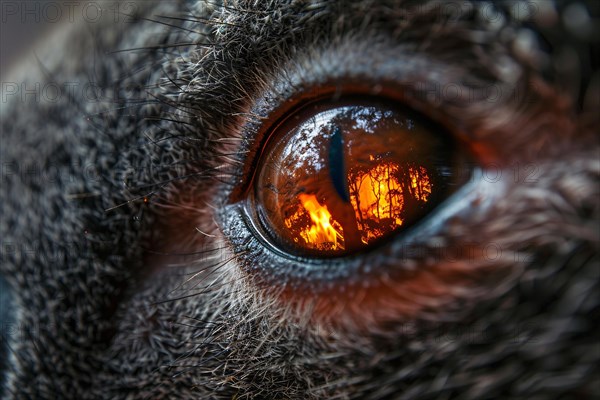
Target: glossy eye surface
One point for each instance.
(337, 177)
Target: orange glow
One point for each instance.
(324, 232)
(378, 199)
(420, 183)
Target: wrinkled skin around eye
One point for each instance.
(128, 278)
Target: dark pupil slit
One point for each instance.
(337, 167)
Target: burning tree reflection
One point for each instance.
(382, 197)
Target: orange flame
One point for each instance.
(322, 232)
(378, 202)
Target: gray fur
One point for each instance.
(112, 313)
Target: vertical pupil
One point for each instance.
(337, 178)
(337, 169)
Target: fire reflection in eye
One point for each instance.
(324, 233)
(378, 199)
(348, 175)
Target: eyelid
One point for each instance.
(411, 83)
(272, 268)
(299, 83)
(237, 217)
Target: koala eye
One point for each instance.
(338, 177)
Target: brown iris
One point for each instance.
(336, 178)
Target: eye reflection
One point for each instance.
(338, 177)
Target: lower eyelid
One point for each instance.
(406, 256)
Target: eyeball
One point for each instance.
(338, 177)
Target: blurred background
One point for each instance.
(21, 24)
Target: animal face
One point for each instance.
(182, 213)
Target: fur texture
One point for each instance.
(133, 277)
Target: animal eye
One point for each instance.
(337, 177)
